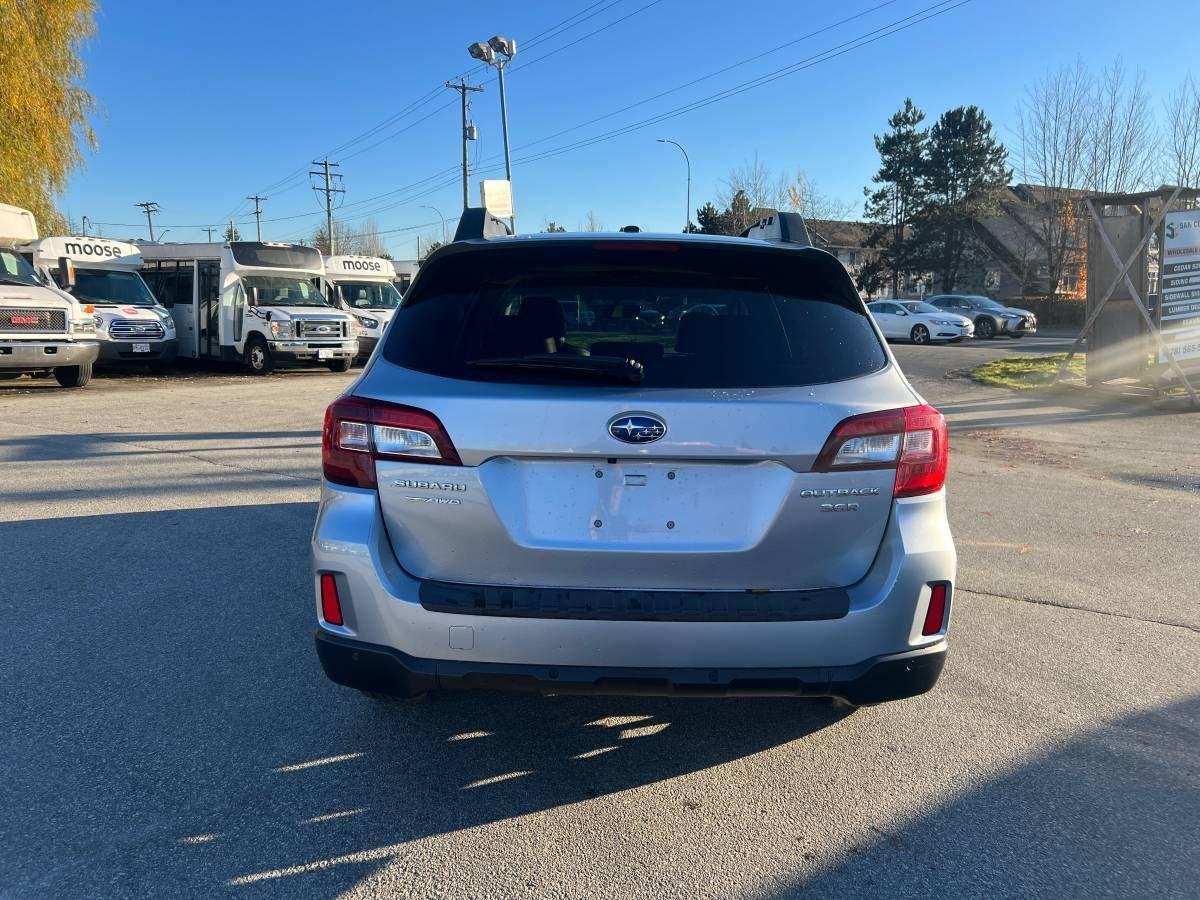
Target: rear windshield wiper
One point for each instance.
(611, 368)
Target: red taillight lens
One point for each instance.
(331, 603)
(936, 614)
(359, 431)
(925, 454)
(911, 440)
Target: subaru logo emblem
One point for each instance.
(636, 428)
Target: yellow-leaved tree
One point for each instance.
(44, 109)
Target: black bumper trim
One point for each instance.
(383, 670)
(634, 606)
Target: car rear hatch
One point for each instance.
(628, 414)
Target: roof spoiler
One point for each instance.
(787, 228)
(477, 223)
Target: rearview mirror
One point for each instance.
(66, 273)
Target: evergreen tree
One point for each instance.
(231, 233)
(710, 220)
(965, 169)
(898, 197)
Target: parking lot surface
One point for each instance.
(166, 729)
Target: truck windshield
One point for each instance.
(369, 294)
(281, 290)
(15, 269)
(109, 287)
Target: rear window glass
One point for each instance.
(688, 316)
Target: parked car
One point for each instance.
(919, 322)
(991, 317)
(752, 503)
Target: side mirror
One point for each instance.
(901, 311)
(66, 273)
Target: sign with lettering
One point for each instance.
(1179, 304)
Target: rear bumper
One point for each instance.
(384, 670)
(383, 613)
(25, 355)
(123, 351)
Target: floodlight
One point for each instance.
(482, 51)
(503, 45)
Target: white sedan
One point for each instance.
(919, 322)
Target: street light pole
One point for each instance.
(687, 211)
(501, 64)
(498, 52)
(440, 216)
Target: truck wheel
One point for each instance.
(73, 376)
(341, 365)
(258, 357)
(985, 328)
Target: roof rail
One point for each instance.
(477, 223)
(788, 228)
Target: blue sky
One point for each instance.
(202, 105)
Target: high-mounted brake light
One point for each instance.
(911, 440)
(359, 431)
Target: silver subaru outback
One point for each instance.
(630, 463)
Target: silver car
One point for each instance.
(749, 500)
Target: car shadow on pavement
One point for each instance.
(168, 728)
(1111, 813)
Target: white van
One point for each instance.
(130, 324)
(250, 301)
(41, 327)
(363, 286)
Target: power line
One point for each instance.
(837, 50)
(868, 37)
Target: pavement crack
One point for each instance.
(1038, 601)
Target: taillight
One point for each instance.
(911, 440)
(359, 431)
(936, 614)
(331, 603)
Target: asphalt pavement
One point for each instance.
(165, 729)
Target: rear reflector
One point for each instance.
(359, 431)
(936, 614)
(911, 440)
(331, 604)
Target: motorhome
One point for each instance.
(252, 302)
(131, 326)
(406, 270)
(363, 286)
(41, 327)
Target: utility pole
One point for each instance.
(258, 212)
(330, 190)
(151, 209)
(85, 226)
(463, 88)
(210, 231)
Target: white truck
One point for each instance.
(41, 327)
(363, 286)
(131, 326)
(252, 302)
